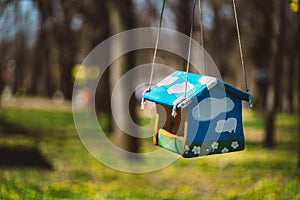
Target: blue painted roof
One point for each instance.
(172, 87)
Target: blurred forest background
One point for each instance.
(42, 43)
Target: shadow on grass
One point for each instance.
(20, 156)
(8, 127)
(23, 157)
(280, 158)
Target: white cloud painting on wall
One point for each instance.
(210, 108)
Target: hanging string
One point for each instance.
(183, 98)
(202, 36)
(189, 51)
(240, 45)
(156, 45)
(143, 102)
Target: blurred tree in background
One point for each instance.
(42, 41)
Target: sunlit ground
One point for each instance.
(255, 173)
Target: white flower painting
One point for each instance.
(214, 145)
(234, 144)
(196, 150)
(224, 150)
(187, 148)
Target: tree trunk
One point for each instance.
(122, 18)
(289, 88)
(42, 81)
(97, 34)
(40, 62)
(299, 97)
(183, 16)
(183, 13)
(66, 42)
(298, 73)
(20, 62)
(223, 41)
(274, 86)
(261, 50)
(66, 62)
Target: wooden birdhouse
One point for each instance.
(207, 120)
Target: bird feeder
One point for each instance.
(207, 121)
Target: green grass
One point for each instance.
(255, 173)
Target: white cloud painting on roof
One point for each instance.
(179, 88)
(167, 81)
(209, 81)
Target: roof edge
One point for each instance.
(237, 92)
